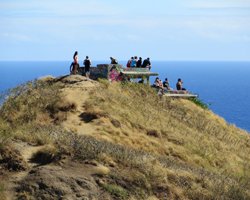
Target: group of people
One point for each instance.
(135, 62)
(165, 86)
(75, 67)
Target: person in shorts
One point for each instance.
(74, 67)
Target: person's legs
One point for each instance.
(87, 74)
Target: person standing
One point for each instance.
(74, 67)
(87, 64)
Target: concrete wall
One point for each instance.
(100, 71)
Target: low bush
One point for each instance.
(46, 155)
(5, 134)
(199, 102)
(2, 191)
(116, 191)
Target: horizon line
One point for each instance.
(156, 60)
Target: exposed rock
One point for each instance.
(55, 182)
(46, 78)
(11, 159)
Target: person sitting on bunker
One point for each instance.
(113, 60)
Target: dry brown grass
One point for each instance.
(2, 191)
(172, 127)
(32, 109)
(35, 101)
(5, 133)
(101, 170)
(144, 174)
(150, 146)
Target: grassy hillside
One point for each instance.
(148, 147)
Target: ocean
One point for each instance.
(224, 86)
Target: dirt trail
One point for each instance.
(71, 180)
(26, 150)
(77, 89)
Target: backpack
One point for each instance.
(86, 62)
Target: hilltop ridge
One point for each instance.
(74, 138)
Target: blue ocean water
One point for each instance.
(225, 86)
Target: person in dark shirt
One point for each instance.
(146, 63)
(113, 60)
(139, 62)
(179, 85)
(141, 81)
(166, 84)
(87, 64)
(74, 67)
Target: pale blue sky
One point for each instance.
(160, 29)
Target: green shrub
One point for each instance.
(116, 190)
(2, 189)
(199, 102)
(5, 133)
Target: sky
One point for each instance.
(178, 30)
